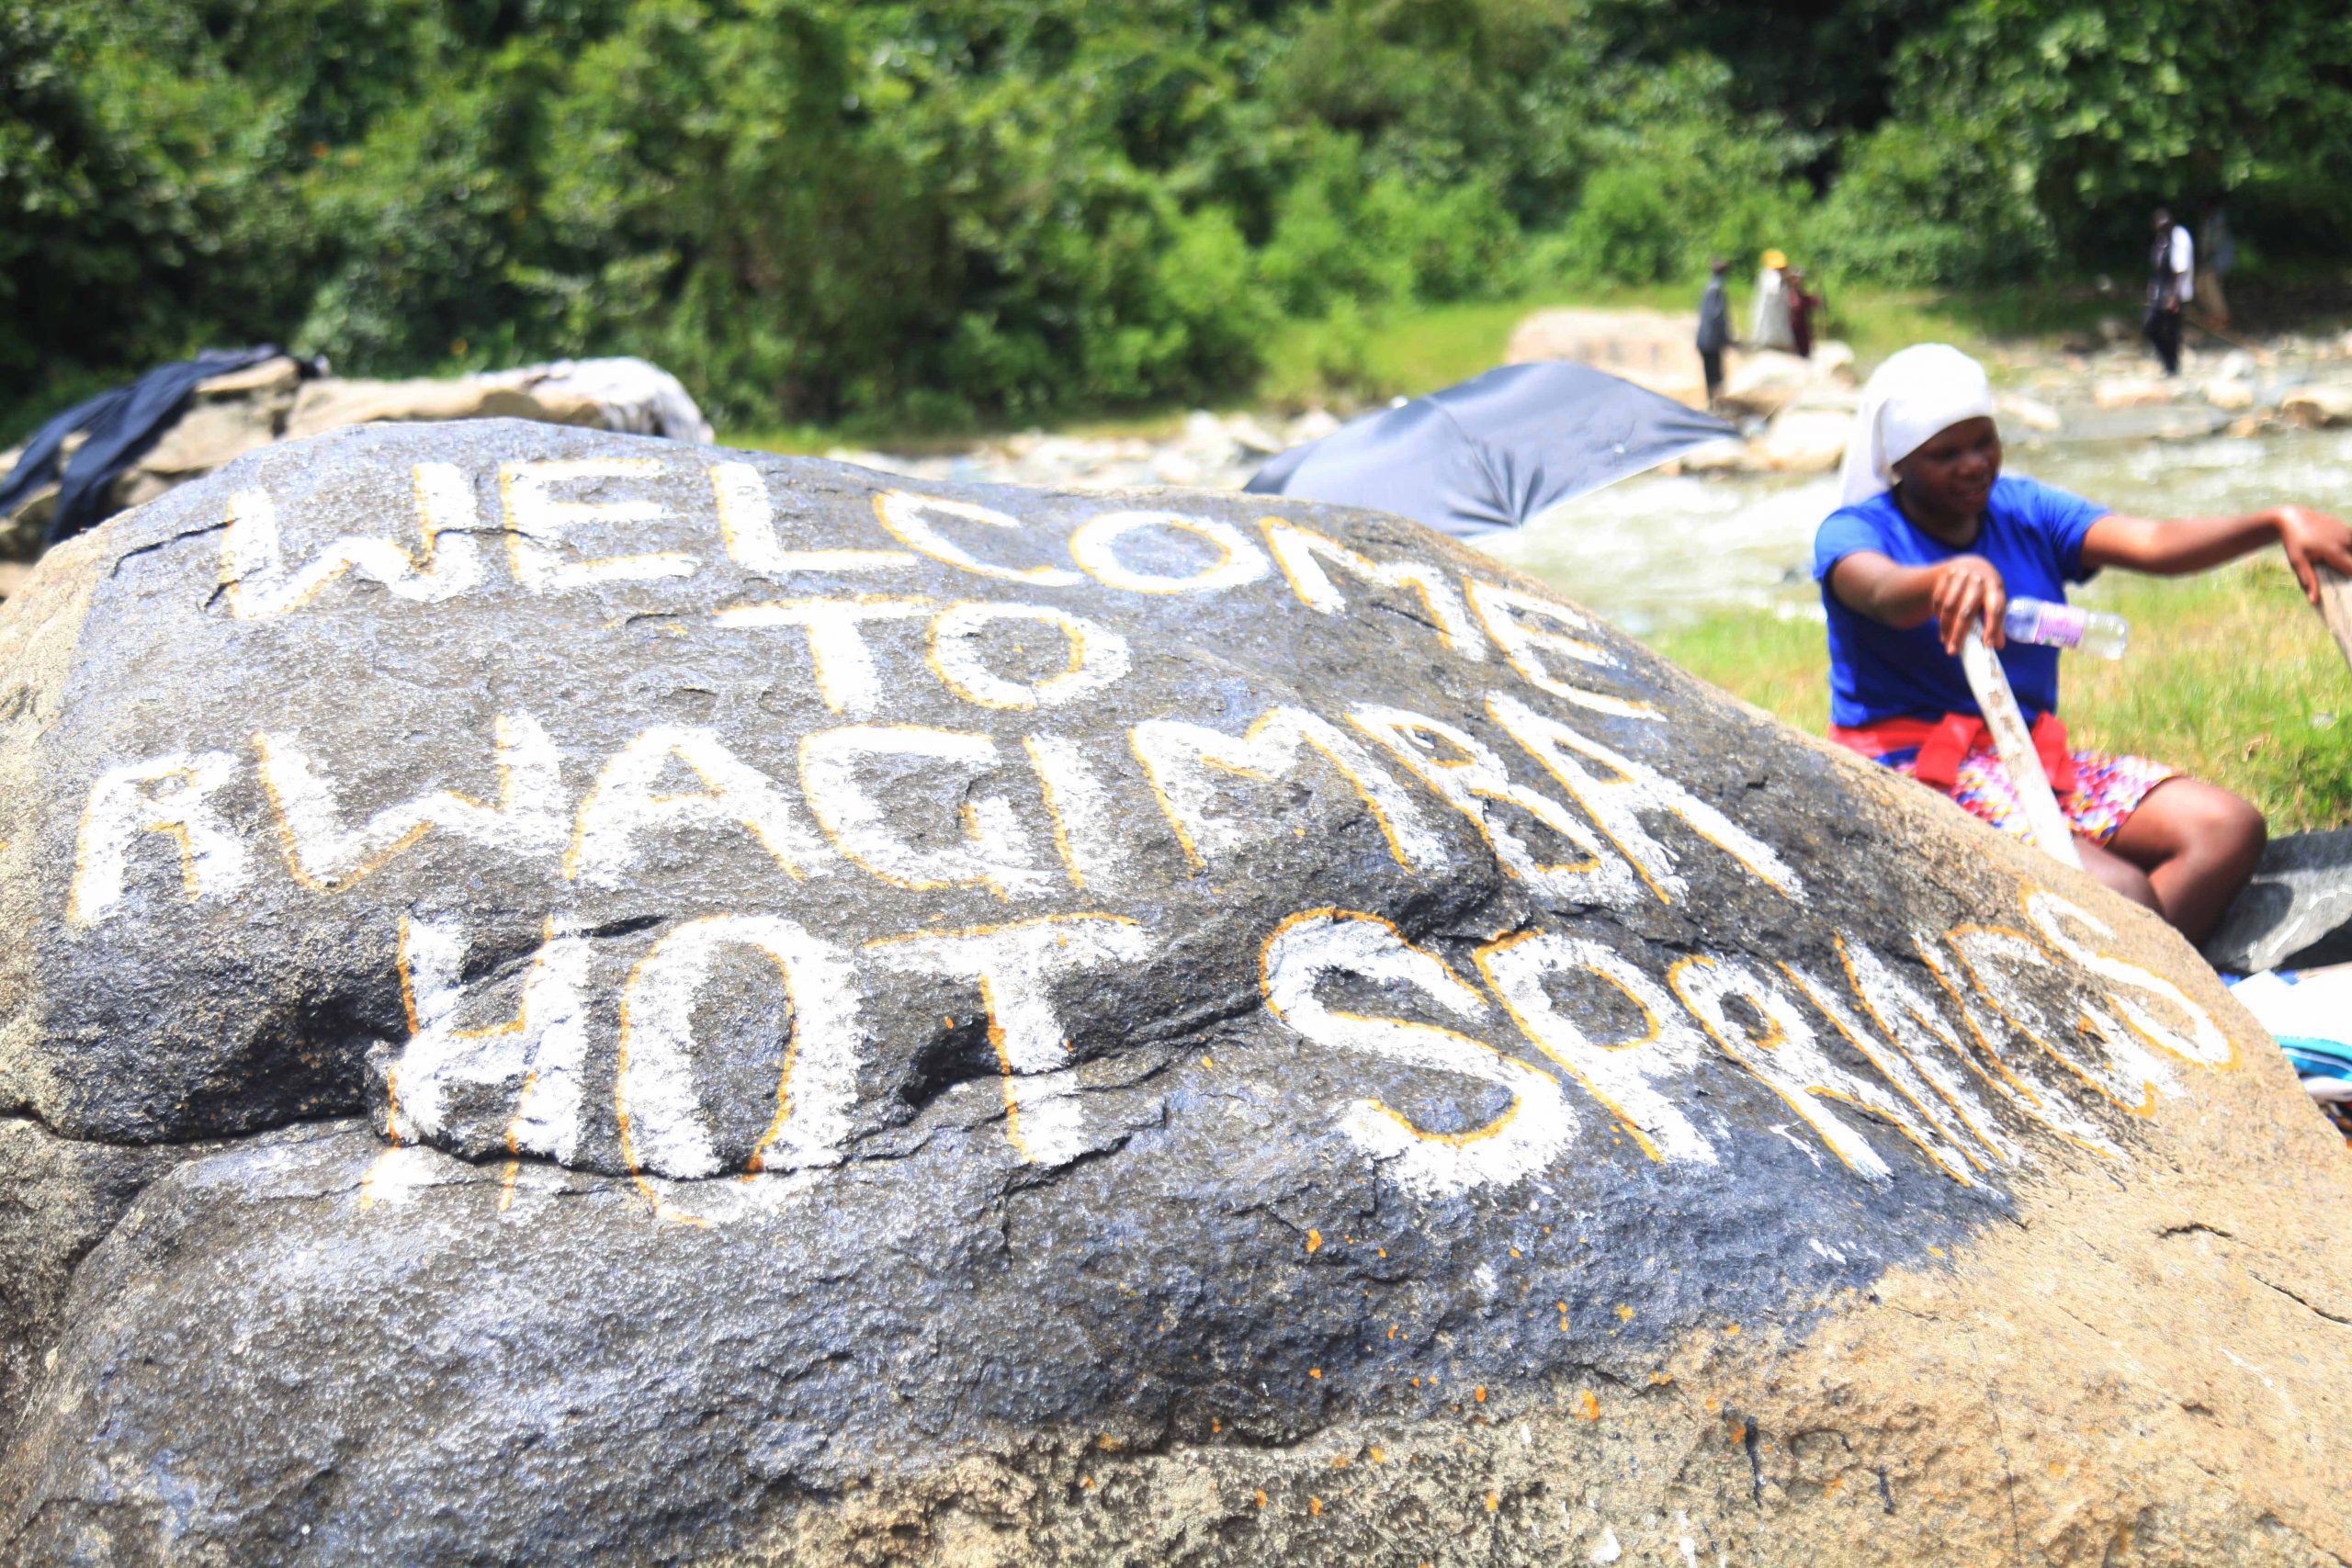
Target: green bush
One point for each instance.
(1624, 230)
(1933, 203)
(960, 211)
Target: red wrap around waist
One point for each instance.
(1943, 744)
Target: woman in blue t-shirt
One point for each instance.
(1932, 538)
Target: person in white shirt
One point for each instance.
(2171, 283)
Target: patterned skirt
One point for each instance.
(2108, 787)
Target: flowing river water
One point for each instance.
(1661, 550)
(1655, 551)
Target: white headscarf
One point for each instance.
(1925, 390)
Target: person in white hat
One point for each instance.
(1930, 539)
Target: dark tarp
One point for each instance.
(1495, 450)
(120, 425)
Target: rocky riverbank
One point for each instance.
(1793, 414)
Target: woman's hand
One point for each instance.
(1968, 591)
(2313, 539)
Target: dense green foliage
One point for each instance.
(869, 209)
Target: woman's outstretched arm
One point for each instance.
(2194, 543)
(1963, 591)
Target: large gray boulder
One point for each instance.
(580, 999)
(2296, 910)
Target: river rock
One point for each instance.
(1769, 380)
(582, 998)
(2297, 909)
(2133, 391)
(1808, 437)
(1650, 348)
(2029, 413)
(2234, 396)
(2319, 408)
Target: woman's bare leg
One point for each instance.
(2117, 874)
(2198, 843)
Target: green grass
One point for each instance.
(2230, 677)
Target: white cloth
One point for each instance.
(2184, 261)
(1924, 390)
(1772, 327)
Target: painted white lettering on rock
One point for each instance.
(529, 817)
(539, 523)
(909, 519)
(1997, 960)
(253, 575)
(1789, 1061)
(1095, 546)
(1094, 833)
(1467, 774)
(2015, 1072)
(663, 1130)
(1619, 798)
(536, 1057)
(1509, 617)
(1639, 1078)
(1309, 949)
(1179, 761)
(1016, 968)
(1888, 1062)
(2189, 1031)
(628, 807)
(988, 848)
(1909, 1018)
(1302, 553)
(172, 796)
(747, 527)
(846, 678)
(1097, 656)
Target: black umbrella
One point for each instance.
(1495, 450)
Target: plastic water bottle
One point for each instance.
(2066, 626)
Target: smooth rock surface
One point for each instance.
(2135, 392)
(2297, 910)
(1808, 437)
(2319, 408)
(1650, 348)
(1764, 381)
(610, 1001)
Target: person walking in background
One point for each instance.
(2172, 261)
(1802, 308)
(1714, 327)
(2217, 248)
(1770, 326)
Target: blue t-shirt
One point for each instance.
(2033, 533)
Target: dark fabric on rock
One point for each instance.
(119, 425)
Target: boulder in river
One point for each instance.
(584, 998)
(1650, 348)
(2322, 407)
(1764, 381)
(1809, 437)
